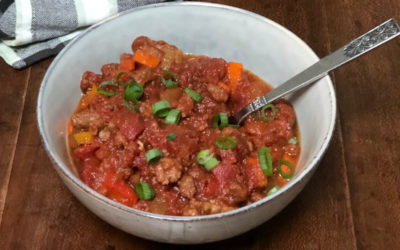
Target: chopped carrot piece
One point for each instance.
(84, 137)
(281, 181)
(234, 73)
(145, 59)
(224, 86)
(126, 62)
(70, 128)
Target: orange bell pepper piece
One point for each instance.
(84, 137)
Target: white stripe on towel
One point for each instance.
(93, 11)
(23, 32)
(8, 54)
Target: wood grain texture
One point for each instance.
(13, 88)
(353, 201)
(368, 93)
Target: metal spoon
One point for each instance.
(370, 40)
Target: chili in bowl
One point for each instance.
(152, 133)
(149, 148)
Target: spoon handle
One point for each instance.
(354, 49)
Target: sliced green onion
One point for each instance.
(206, 159)
(120, 74)
(203, 156)
(287, 163)
(211, 163)
(171, 137)
(153, 155)
(144, 191)
(273, 110)
(265, 159)
(220, 120)
(195, 96)
(108, 83)
(161, 108)
(173, 117)
(133, 91)
(107, 93)
(273, 190)
(293, 140)
(226, 143)
(171, 82)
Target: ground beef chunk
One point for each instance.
(88, 80)
(86, 119)
(168, 170)
(187, 187)
(185, 105)
(217, 93)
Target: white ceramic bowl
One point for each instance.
(264, 47)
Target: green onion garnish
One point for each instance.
(203, 156)
(107, 93)
(226, 143)
(293, 140)
(210, 164)
(265, 159)
(273, 190)
(144, 191)
(153, 155)
(133, 91)
(120, 74)
(161, 108)
(273, 110)
(171, 137)
(170, 83)
(195, 96)
(173, 117)
(220, 120)
(287, 163)
(206, 159)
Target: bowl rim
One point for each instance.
(66, 172)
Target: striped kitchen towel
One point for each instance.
(31, 30)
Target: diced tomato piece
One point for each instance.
(89, 169)
(211, 188)
(119, 190)
(225, 173)
(130, 124)
(254, 174)
(86, 150)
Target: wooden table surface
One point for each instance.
(353, 200)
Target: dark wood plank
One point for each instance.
(368, 93)
(13, 88)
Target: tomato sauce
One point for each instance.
(113, 130)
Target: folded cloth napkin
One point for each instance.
(31, 30)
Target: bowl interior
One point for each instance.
(264, 47)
